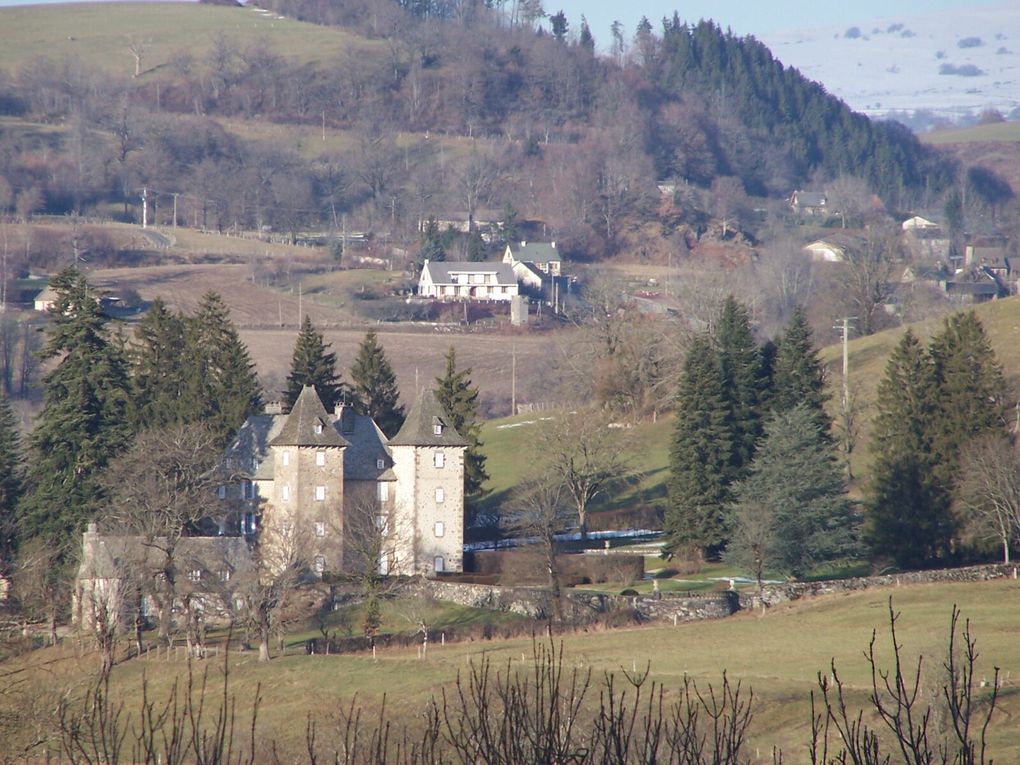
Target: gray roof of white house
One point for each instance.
(535, 252)
(441, 272)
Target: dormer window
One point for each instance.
(380, 464)
(437, 426)
(318, 427)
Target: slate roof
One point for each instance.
(367, 445)
(535, 252)
(809, 198)
(308, 424)
(442, 272)
(419, 428)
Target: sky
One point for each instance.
(755, 17)
(744, 17)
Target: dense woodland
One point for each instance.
(451, 108)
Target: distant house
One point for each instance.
(809, 203)
(984, 249)
(542, 255)
(467, 281)
(978, 285)
(45, 300)
(917, 222)
(487, 222)
(827, 252)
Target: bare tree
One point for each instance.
(988, 493)
(266, 582)
(539, 509)
(40, 584)
(869, 265)
(160, 490)
(586, 454)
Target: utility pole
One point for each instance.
(513, 379)
(176, 194)
(844, 330)
(145, 207)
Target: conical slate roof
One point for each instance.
(308, 424)
(425, 417)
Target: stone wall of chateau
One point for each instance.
(429, 507)
(301, 482)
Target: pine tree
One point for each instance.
(313, 364)
(798, 376)
(908, 507)
(158, 368)
(740, 365)
(376, 386)
(223, 389)
(796, 485)
(459, 398)
(10, 481)
(84, 421)
(699, 459)
(971, 391)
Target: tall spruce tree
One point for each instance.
(376, 386)
(313, 364)
(223, 388)
(740, 366)
(158, 368)
(700, 455)
(796, 486)
(10, 482)
(909, 516)
(84, 421)
(971, 391)
(459, 398)
(798, 376)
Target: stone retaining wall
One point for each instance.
(782, 593)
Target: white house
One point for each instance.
(467, 281)
(827, 252)
(542, 256)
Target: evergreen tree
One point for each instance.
(10, 481)
(376, 386)
(84, 421)
(433, 244)
(908, 507)
(313, 364)
(459, 398)
(699, 458)
(796, 485)
(158, 368)
(223, 388)
(476, 251)
(970, 391)
(740, 366)
(798, 376)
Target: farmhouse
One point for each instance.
(809, 202)
(467, 281)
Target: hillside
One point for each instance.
(504, 440)
(380, 118)
(752, 649)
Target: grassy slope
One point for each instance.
(99, 34)
(999, 131)
(507, 442)
(752, 649)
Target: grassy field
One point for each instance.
(101, 39)
(779, 655)
(997, 131)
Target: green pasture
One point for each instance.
(100, 35)
(778, 654)
(996, 131)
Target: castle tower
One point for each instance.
(304, 513)
(428, 460)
